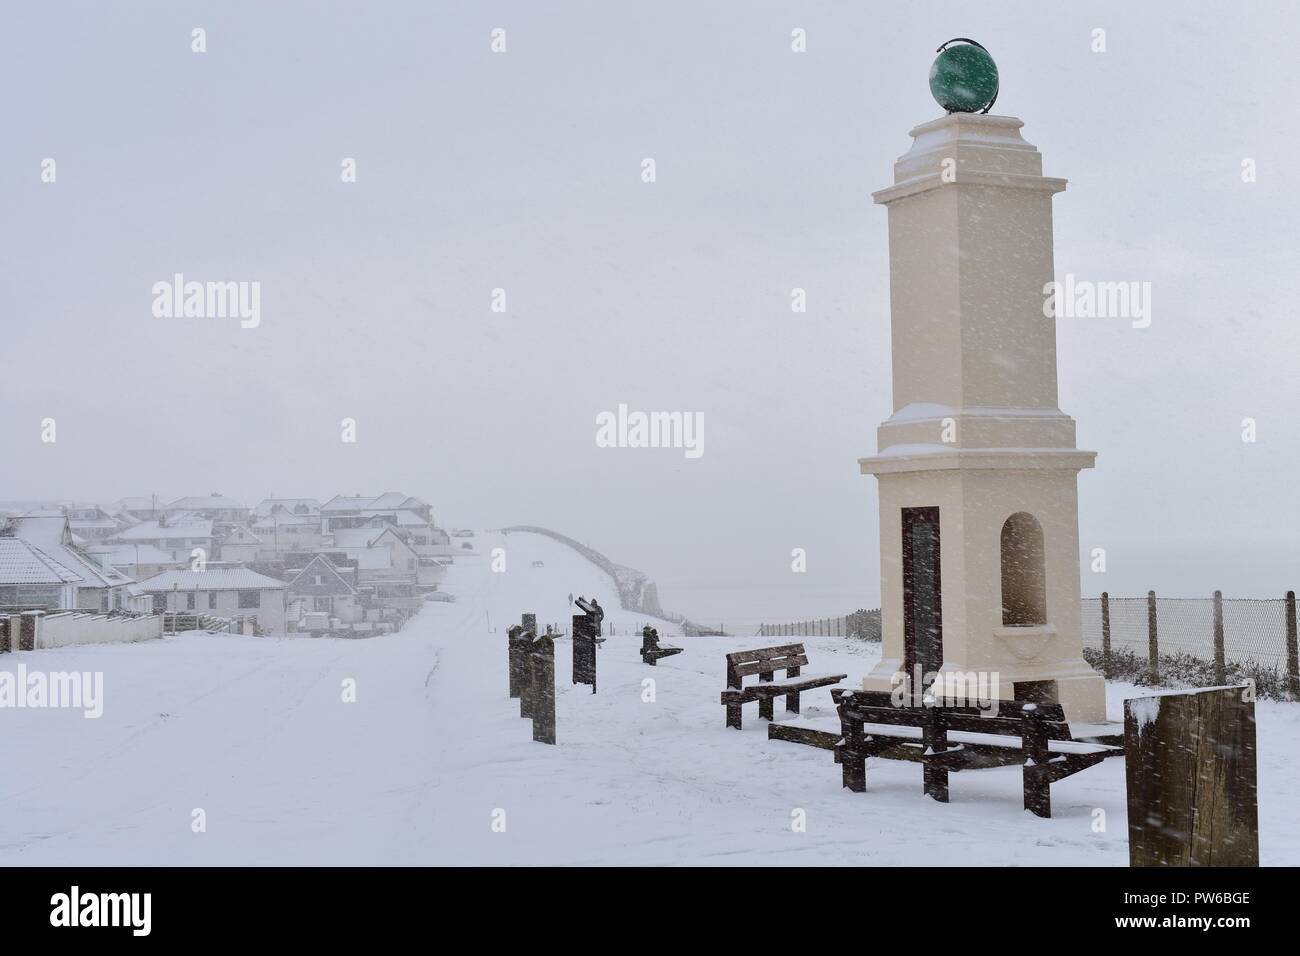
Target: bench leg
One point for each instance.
(936, 743)
(766, 708)
(936, 781)
(733, 716)
(854, 765)
(1038, 792)
(792, 703)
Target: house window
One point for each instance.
(320, 603)
(189, 601)
(1024, 576)
(248, 599)
(212, 600)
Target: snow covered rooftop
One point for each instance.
(152, 531)
(404, 519)
(120, 554)
(267, 505)
(206, 503)
(388, 501)
(21, 562)
(53, 536)
(216, 579)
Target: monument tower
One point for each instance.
(977, 466)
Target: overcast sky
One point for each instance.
(521, 171)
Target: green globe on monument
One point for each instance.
(964, 78)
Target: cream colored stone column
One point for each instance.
(976, 431)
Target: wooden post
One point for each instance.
(1292, 651)
(586, 628)
(543, 689)
(517, 641)
(1191, 778)
(1220, 667)
(27, 630)
(1105, 634)
(1153, 645)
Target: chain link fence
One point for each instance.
(864, 625)
(1155, 640)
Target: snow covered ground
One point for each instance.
(255, 732)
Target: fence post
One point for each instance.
(543, 689)
(1153, 644)
(27, 630)
(1220, 667)
(519, 638)
(1105, 634)
(1189, 767)
(1292, 650)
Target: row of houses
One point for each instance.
(353, 564)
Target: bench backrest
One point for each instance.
(764, 661)
(1008, 719)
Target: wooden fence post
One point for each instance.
(517, 640)
(1153, 644)
(543, 689)
(27, 630)
(1220, 666)
(1105, 634)
(1189, 768)
(1292, 650)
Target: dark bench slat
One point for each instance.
(764, 653)
(970, 723)
(769, 667)
(780, 687)
(1005, 708)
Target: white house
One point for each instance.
(100, 587)
(239, 593)
(137, 561)
(31, 578)
(238, 546)
(284, 529)
(323, 588)
(177, 537)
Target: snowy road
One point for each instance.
(256, 734)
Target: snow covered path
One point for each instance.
(256, 733)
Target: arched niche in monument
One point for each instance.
(1024, 572)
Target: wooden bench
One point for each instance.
(950, 736)
(765, 662)
(651, 650)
